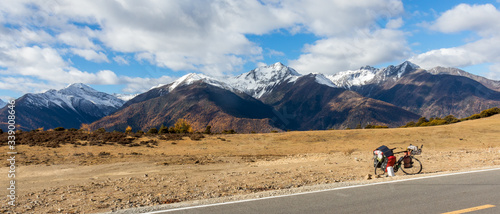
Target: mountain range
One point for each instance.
(274, 97)
(69, 108)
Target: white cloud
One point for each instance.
(494, 73)
(203, 36)
(481, 19)
(340, 17)
(395, 23)
(47, 64)
(25, 84)
(481, 51)
(90, 55)
(333, 55)
(207, 36)
(137, 84)
(120, 60)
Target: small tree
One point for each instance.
(208, 130)
(153, 131)
(128, 129)
(163, 129)
(85, 127)
(451, 119)
(58, 129)
(171, 130)
(421, 121)
(183, 126)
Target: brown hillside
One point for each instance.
(108, 177)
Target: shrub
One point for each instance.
(451, 119)
(196, 136)
(171, 130)
(153, 131)
(163, 130)
(421, 121)
(489, 112)
(71, 130)
(435, 122)
(1, 131)
(472, 117)
(229, 131)
(58, 129)
(101, 130)
(208, 130)
(369, 126)
(183, 126)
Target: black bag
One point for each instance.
(387, 152)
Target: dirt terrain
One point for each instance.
(90, 179)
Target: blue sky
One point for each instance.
(129, 46)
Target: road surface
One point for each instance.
(477, 192)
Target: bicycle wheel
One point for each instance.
(415, 169)
(379, 171)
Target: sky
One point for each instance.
(128, 46)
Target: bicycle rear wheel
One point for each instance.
(415, 169)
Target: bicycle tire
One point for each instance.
(379, 170)
(415, 169)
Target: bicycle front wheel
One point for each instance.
(416, 167)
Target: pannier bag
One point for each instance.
(414, 150)
(378, 158)
(407, 162)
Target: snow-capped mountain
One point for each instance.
(370, 75)
(263, 79)
(75, 96)
(68, 107)
(2, 103)
(189, 79)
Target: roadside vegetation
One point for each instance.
(450, 119)
(182, 128)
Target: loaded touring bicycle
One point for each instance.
(383, 158)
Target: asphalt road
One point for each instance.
(442, 194)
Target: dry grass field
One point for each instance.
(77, 179)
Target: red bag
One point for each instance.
(391, 160)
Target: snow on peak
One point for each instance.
(370, 75)
(75, 95)
(322, 79)
(193, 77)
(350, 78)
(263, 79)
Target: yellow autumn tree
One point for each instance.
(182, 126)
(128, 129)
(85, 127)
